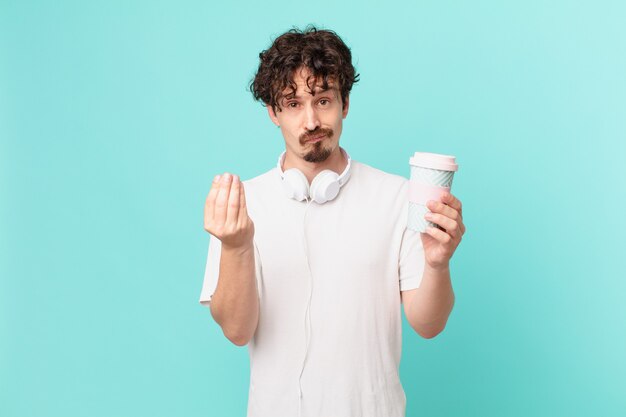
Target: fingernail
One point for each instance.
(217, 178)
(235, 179)
(226, 177)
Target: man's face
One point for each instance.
(311, 124)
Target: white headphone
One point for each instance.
(324, 187)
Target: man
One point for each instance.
(313, 280)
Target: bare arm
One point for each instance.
(428, 307)
(235, 303)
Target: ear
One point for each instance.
(272, 115)
(346, 106)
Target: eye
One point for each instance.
(293, 104)
(324, 101)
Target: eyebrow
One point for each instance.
(317, 92)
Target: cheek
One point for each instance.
(290, 133)
(338, 125)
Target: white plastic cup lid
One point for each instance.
(434, 161)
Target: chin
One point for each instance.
(318, 154)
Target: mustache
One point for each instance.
(315, 133)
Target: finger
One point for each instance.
(243, 210)
(209, 207)
(440, 235)
(232, 213)
(446, 210)
(453, 202)
(221, 201)
(450, 226)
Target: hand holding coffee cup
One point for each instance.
(431, 178)
(225, 213)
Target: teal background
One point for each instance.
(115, 116)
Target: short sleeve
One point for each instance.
(212, 270)
(412, 260)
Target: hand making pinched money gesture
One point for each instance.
(225, 213)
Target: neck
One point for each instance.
(335, 162)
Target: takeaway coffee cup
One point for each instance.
(431, 177)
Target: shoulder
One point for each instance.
(263, 189)
(375, 177)
(383, 195)
(264, 180)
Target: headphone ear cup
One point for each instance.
(325, 186)
(295, 184)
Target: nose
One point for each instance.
(312, 120)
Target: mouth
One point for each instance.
(316, 139)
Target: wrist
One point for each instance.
(442, 268)
(238, 250)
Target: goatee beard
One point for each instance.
(318, 153)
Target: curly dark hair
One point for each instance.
(322, 52)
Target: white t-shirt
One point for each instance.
(361, 256)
